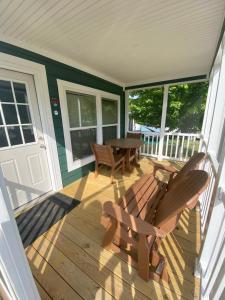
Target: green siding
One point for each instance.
(56, 70)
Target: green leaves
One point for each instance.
(186, 105)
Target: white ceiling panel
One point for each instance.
(131, 41)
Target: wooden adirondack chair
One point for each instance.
(145, 215)
(175, 175)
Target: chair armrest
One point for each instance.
(169, 169)
(136, 224)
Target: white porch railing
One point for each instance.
(176, 146)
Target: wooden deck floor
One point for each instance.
(68, 262)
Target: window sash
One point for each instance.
(65, 87)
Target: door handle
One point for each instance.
(43, 146)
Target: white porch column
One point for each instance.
(163, 121)
(13, 263)
(126, 112)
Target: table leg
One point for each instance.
(127, 160)
(136, 161)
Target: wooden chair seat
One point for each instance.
(145, 215)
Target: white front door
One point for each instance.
(23, 157)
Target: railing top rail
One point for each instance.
(150, 133)
(198, 135)
(183, 134)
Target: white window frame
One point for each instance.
(66, 86)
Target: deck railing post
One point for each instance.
(163, 121)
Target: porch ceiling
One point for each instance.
(129, 41)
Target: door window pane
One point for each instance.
(14, 135)
(9, 111)
(6, 94)
(3, 139)
(88, 110)
(109, 133)
(28, 134)
(109, 111)
(24, 113)
(20, 92)
(80, 140)
(72, 105)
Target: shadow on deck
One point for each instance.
(67, 260)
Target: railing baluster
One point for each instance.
(167, 142)
(157, 144)
(154, 148)
(152, 142)
(171, 146)
(177, 143)
(182, 147)
(193, 147)
(144, 144)
(148, 144)
(188, 142)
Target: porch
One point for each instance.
(68, 262)
(67, 69)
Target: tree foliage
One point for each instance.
(186, 105)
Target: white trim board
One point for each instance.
(40, 79)
(64, 86)
(13, 263)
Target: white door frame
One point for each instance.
(40, 79)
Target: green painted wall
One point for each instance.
(56, 70)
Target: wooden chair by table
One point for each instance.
(104, 156)
(144, 216)
(175, 175)
(134, 135)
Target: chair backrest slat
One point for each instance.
(103, 154)
(134, 135)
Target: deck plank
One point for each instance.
(116, 265)
(48, 278)
(88, 265)
(43, 294)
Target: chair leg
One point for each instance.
(112, 175)
(109, 235)
(123, 167)
(96, 169)
(143, 257)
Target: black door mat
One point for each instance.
(41, 217)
